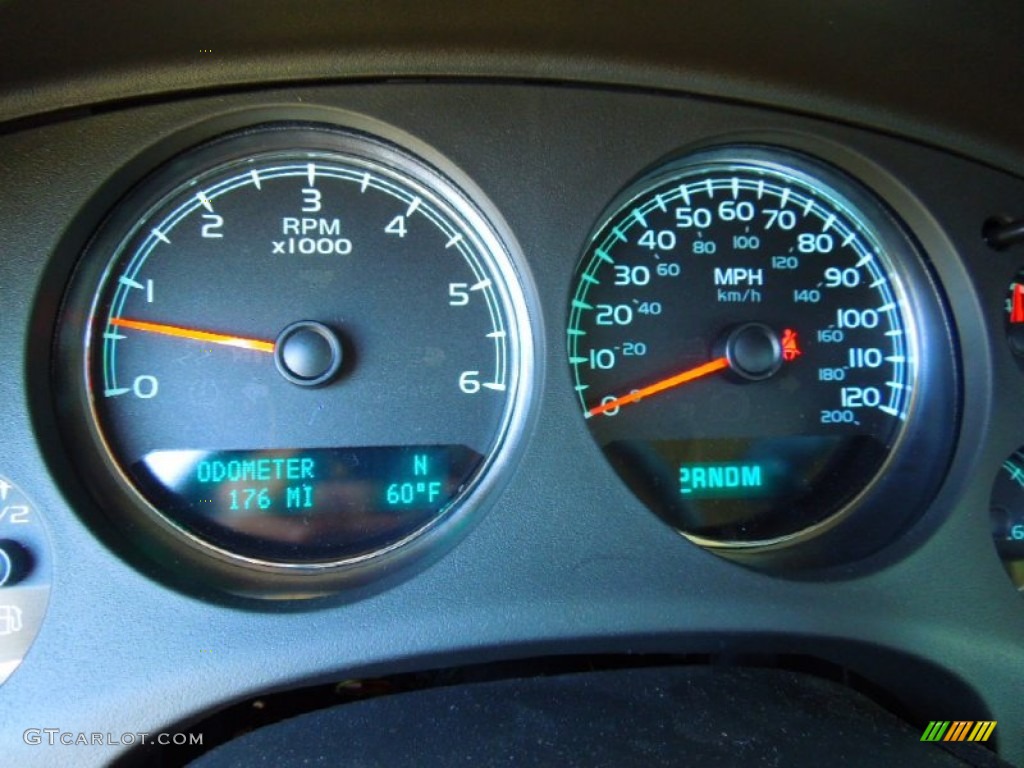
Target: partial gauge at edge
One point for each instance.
(306, 353)
(759, 351)
(1006, 511)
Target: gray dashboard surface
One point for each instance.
(943, 71)
(565, 559)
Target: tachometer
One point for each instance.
(303, 350)
(750, 338)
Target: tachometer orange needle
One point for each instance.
(195, 335)
(700, 371)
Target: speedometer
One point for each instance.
(751, 337)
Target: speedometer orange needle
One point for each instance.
(192, 333)
(692, 374)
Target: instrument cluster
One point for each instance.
(303, 351)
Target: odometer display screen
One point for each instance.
(308, 502)
(741, 344)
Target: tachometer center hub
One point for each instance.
(308, 353)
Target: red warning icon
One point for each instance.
(1017, 304)
(790, 345)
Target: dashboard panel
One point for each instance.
(556, 557)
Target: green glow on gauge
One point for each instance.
(418, 489)
(234, 471)
(314, 482)
(710, 480)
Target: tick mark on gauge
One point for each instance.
(204, 201)
(127, 281)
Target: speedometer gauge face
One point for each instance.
(742, 344)
(304, 348)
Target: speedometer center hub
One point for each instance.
(754, 351)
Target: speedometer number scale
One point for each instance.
(742, 345)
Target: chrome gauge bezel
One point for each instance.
(896, 495)
(363, 143)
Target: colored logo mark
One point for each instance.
(958, 730)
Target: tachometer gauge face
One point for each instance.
(304, 348)
(743, 345)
